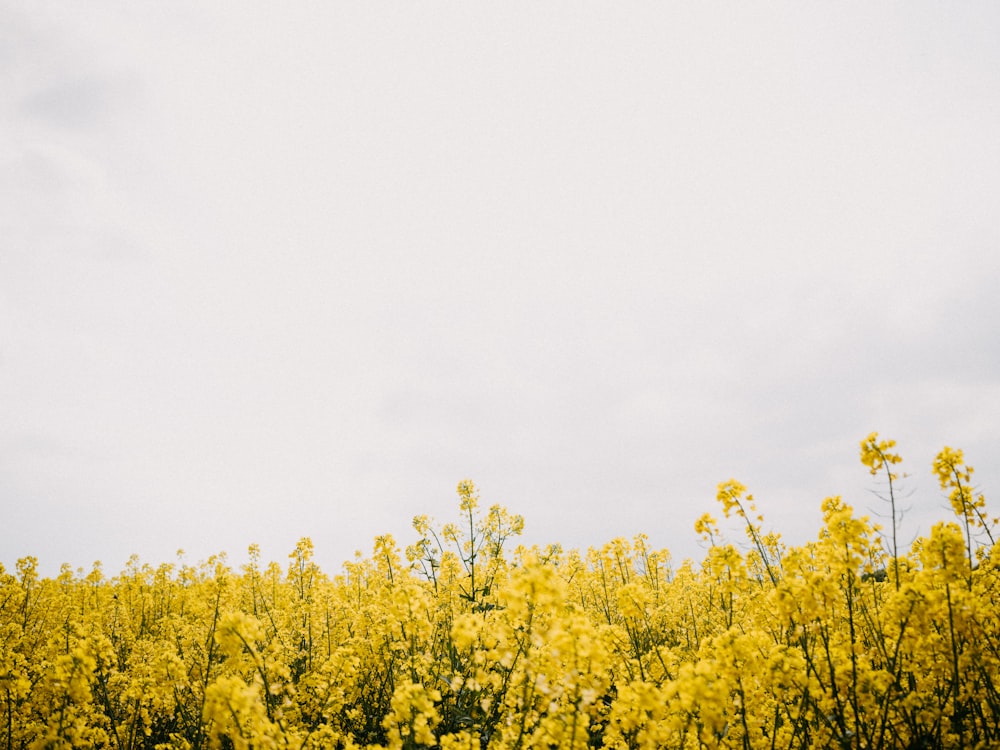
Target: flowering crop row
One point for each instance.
(457, 641)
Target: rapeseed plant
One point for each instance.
(457, 641)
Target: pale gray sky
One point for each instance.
(274, 270)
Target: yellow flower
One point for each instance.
(875, 454)
(730, 493)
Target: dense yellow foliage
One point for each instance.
(458, 641)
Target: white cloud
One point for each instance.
(298, 271)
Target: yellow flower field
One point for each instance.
(464, 640)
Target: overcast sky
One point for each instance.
(273, 270)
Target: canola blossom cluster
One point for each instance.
(461, 641)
